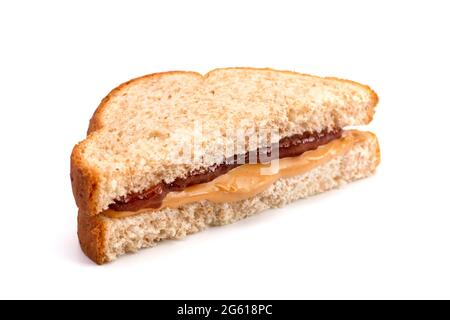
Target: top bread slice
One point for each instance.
(135, 130)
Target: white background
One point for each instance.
(383, 237)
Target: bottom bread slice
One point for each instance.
(103, 239)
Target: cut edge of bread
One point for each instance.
(104, 239)
(87, 180)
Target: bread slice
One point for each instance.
(136, 128)
(103, 239)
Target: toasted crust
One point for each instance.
(86, 179)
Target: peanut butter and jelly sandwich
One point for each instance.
(169, 154)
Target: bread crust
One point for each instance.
(85, 178)
(91, 234)
(84, 181)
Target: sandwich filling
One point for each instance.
(231, 181)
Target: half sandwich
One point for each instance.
(170, 154)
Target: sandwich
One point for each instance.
(170, 154)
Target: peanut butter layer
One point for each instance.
(154, 197)
(249, 180)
